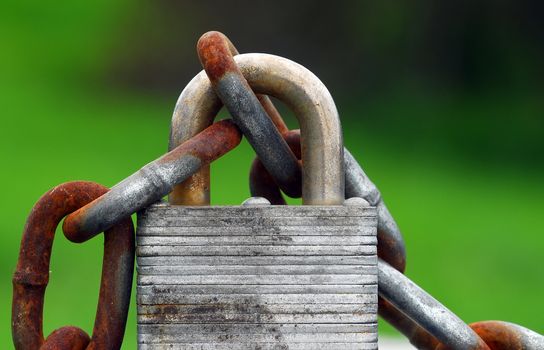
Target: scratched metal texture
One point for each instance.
(267, 277)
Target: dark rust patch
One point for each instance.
(66, 338)
(209, 144)
(261, 183)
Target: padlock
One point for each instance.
(260, 276)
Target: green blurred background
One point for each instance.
(441, 102)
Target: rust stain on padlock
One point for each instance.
(251, 275)
(32, 274)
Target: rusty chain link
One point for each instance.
(32, 275)
(237, 82)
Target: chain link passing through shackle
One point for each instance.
(183, 172)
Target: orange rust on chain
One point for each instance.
(292, 137)
(498, 335)
(32, 274)
(229, 83)
(422, 339)
(66, 338)
(480, 346)
(387, 250)
(209, 144)
(226, 136)
(215, 53)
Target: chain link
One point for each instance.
(32, 275)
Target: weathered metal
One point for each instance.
(261, 183)
(301, 91)
(252, 276)
(417, 336)
(32, 275)
(430, 332)
(152, 182)
(67, 338)
(391, 246)
(255, 201)
(216, 56)
(430, 314)
(257, 277)
(273, 114)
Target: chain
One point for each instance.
(32, 275)
(183, 172)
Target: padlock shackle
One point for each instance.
(300, 90)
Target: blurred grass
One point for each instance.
(473, 227)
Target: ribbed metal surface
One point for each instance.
(270, 277)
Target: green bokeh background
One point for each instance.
(458, 161)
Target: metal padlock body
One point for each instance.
(260, 277)
(267, 277)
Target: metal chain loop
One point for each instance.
(32, 275)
